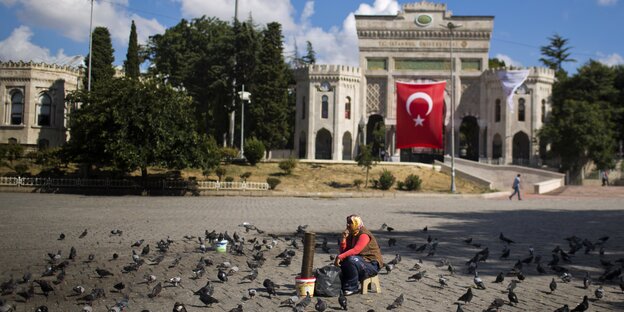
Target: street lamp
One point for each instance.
(244, 96)
(450, 26)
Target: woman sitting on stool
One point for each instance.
(360, 255)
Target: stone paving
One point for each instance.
(31, 223)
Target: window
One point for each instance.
(43, 110)
(324, 107)
(17, 108)
(471, 65)
(497, 111)
(303, 107)
(373, 64)
(422, 64)
(521, 109)
(543, 110)
(348, 108)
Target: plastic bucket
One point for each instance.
(305, 286)
(221, 246)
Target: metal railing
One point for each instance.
(132, 184)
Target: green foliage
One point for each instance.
(273, 182)
(581, 126)
(496, 63)
(132, 63)
(49, 157)
(10, 152)
(386, 180)
(555, 54)
(310, 57)
(365, 159)
(102, 69)
(357, 183)
(227, 153)
(229, 179)
(130, 124)
(254, 151)
(269, 112)
(21, 169)
(220, 172)
(245, 176)
(287, 165)
(412, 182)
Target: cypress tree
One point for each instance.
(131, 65)
(102, 63)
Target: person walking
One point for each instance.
(605, 177)
(516, 188)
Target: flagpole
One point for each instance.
(450, 27)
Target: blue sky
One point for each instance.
(54, 31)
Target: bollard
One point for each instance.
(308, 255)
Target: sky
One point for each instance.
(57, 31)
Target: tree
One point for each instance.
(132, 63)
(310, 57)
(102, 63)
(269, 112)
(581, 126)
(555, 54)
(496, 63)
(365, 160)
(246, 45)
(619, 107)
(131, 124)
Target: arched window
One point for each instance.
(43, 110)
(303, 107)
(497, 111)
(543, 110)
(12, 141)
(17, 108)
(521, 109)
(325, 107)
(348, 108)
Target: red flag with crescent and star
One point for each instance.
(420, 114)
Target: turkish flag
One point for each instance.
(420, 114)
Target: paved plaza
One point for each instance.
(31, 223)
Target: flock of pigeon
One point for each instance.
(197, 263)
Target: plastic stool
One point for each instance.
(374, 280)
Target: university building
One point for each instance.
(34, 112)
(340, 107)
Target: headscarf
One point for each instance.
(356, 224)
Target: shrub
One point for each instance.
(229, 179)
(220, 172)
(386, 180)
(357, 183)
(400, 185)
(287, 165)
(227, 153)
(254, 151)
(273, 182)
(245, 176)
(412, 182)
(21, 169)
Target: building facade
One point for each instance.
(340, 107)
(34, 112)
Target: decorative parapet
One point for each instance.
(424, 6)
(536, 74)
(34, 65)
(427, 34)
(328, 72)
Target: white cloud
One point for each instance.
(508, 60)
(18, 47)
(71, 18)
(8, 2)
(611, 59)
(607, 2)
(380, 7)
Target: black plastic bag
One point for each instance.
(328, 281)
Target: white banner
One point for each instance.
(510, 81)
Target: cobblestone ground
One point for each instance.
(31, 223)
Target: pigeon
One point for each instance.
(145, 250)
(342, 300)
(155, 291)
(270, 287)
(207, 299)
(222, 276)
(496, 304)
(78, 290)
(418, 276)
(398, 302)
(566, 277)
(478, 282)
(468, 240)
(251, 276)
(148, 278)
(320, 305)
(179, 307)
(103, 273)
(499, 278)
(84, 233)
(90, 258)
(443, 281)
(72, 253)
(251, 292)
(583, 306)
(291, 301)
(467, 297)
(512, 298)
(565, 308)
(239, 307)
(41, 309)
(119, 286)
(512, 285)
(175, 281)
(46, 288)
(506, 253)
(505, 239)
(459, 308)
(209, 289)
(599, 292)
(137, 243)
(553, 285)
(586, 280)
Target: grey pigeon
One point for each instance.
(599, 292)
(342, 300)
(179, 307)
(320, 305)
(84, 233)
(513, 298)
(467, 297)
(155, 291)
(398, 302)
(553, 285)
(583, 306)
(565, 308)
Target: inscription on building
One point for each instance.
(428, 44)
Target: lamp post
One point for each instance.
(450, 26)
(244, 96)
